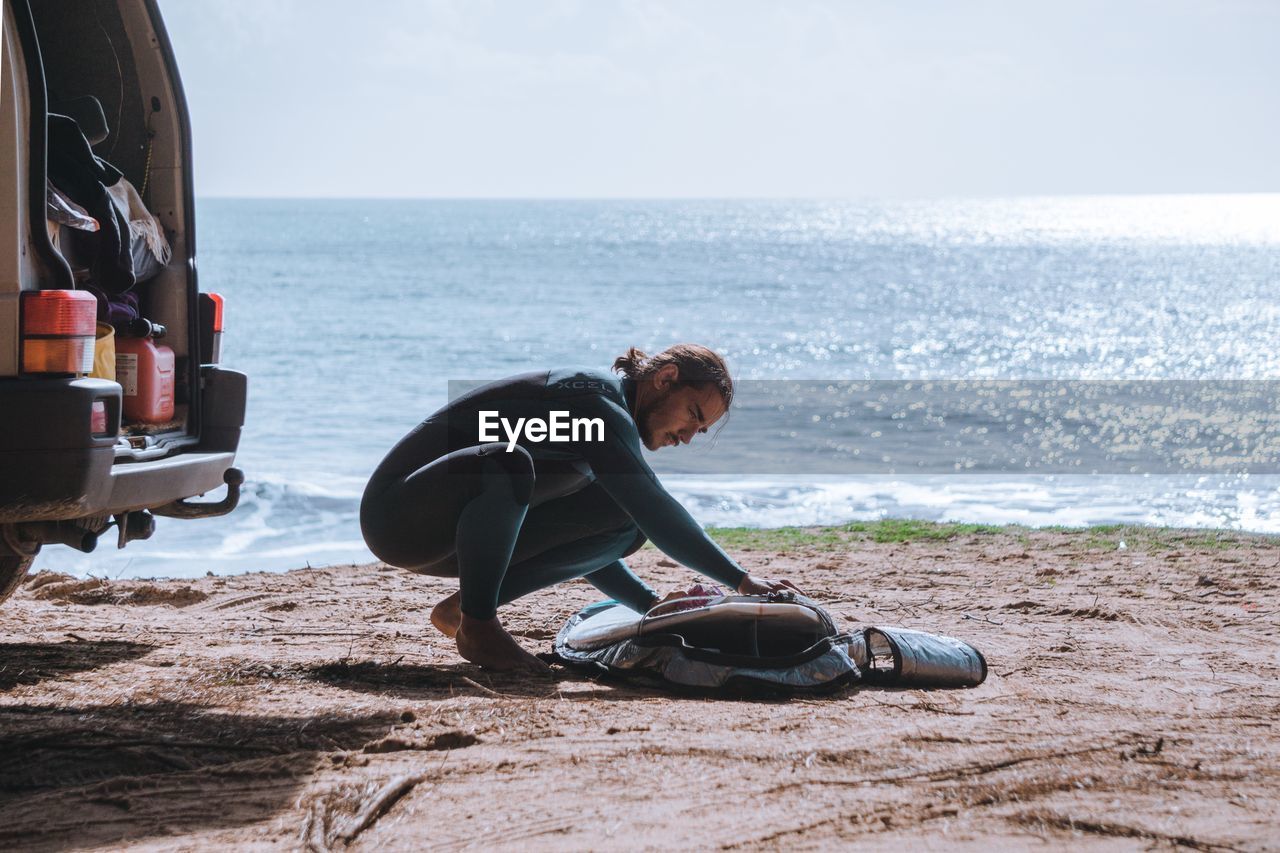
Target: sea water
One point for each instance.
(352, 317)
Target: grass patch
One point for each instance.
(908, 530)
(1153, 540)
(779, 538)
(1102, 537)
(838, 537)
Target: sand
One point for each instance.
(1132, 702)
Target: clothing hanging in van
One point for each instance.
(129, 245)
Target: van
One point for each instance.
(89, 90)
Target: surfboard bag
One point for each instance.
(781, 642)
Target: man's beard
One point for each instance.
(645, 415)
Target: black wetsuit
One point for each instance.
(509, 522)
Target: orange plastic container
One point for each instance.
(144, 370)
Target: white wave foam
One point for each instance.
(1035, 502)
(281, 527)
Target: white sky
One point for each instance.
(730, 98)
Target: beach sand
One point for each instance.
(1132, 701)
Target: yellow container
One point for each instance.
(104, 353)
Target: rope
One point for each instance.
(146, 169)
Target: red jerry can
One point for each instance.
(144, 370)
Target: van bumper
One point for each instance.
(53, 469)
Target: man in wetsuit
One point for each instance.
(540, 478)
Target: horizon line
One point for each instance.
(620, 198)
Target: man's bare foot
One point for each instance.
(486, 642)
(447, 614)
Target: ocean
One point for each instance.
(351, 317)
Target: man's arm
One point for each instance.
(617, 581)
(623, 473)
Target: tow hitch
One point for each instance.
(233, 477)
(134, 525)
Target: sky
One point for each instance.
(729, 98)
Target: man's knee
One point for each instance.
(602, 512)
(614, 519)
(637, 541)
(516, 465)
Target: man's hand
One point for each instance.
(674, 595)
(684, 599)
(752, 585)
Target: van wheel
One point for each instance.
(13, 570)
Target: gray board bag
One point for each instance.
(779, 643)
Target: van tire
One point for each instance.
(13, 571)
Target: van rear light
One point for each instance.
(98, 418)
(57, 355)
(58, 330)
(210, 327)
(216, 299)
(59, 312)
